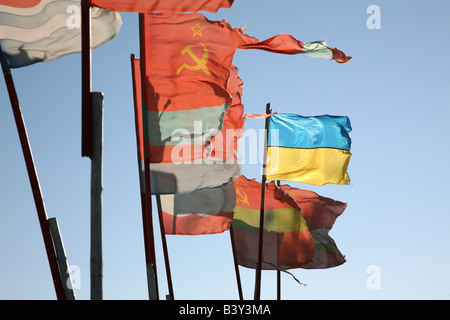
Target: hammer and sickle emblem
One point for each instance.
(241, 196)
(201, 63)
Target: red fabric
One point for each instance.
(188, 65)
(194, 224)
(20, 4)
(283, 249)
(318, 211)
(161, 5)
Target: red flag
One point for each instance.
(192, 96)
(169, 178)
(204, 211)
(189, 71)
(163, 5)
(286, 240)
(320, 214)
(224, 146)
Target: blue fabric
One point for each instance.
(295, 131)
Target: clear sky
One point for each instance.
(394, 90)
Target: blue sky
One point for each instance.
(394, 90)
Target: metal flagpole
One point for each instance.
(261, 215)
(147, 219)
(34, 180)
(87, 141)
(62, 259)
(137, 95)
(164, 245)
(278, 284)
(236, 266)
(278, 270)
(140, 143)
(96, 197)
(86, 80)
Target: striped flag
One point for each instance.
(287, 242)
(168, 177)
(314, 150)
(320, 214)
(286, 44)
(34, 31)
(204, 211)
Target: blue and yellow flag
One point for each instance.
(313, 150)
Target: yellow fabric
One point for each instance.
(313, 166)
(275, 220)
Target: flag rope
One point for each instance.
(285, 271)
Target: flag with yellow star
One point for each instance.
(188, 64)
(287, 242)
(189, 96)
(188, 67)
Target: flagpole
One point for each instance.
(164, 245)
(141, 161)
(96, 197)
(261, 214)
(34, 180)
(147, 219)
(278, 284)
(278, 270)
(236, 266)
(86, 80)
(64, 268)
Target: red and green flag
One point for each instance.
(168, 177)
(287, 242)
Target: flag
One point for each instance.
(185, 113)
(189, 84)
(314, 150)
(287, 242)
(286, 44)
(44, 30)
(163, 5)
(171, 178)
(320, 214)
(204, 211)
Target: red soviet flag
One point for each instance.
(190, 78)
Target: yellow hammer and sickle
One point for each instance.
(201, 63)
(242, 197)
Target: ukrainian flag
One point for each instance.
(313, 150)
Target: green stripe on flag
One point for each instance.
(317, 49)
(185, 126)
